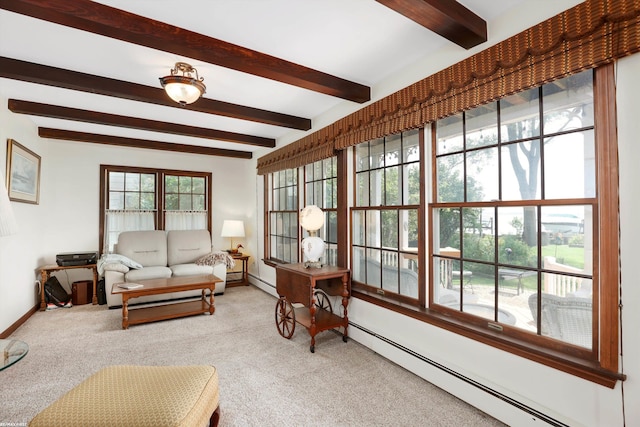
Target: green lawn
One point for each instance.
(565, 254)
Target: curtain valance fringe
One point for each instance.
(588, 35)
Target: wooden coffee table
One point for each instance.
(170, 310)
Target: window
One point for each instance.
(384, 220)
(521, 223)
(513, 224)
(149, 199)
(283, 216)
(185, 201)
(321, 188)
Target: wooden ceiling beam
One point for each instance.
(447, 18)
(58, 77)
(66, 113)
(97, 18)
(69, 135)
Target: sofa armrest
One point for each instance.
(115, 266)
(220, 271)
(110, 278)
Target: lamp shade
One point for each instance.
(311, 218)
(183, 88)
(232, 228)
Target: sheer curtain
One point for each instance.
(117, 221)
(185, 220)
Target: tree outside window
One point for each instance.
(513, 219)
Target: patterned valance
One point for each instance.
(588, 35)
(299, 153)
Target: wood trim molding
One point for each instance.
(343, 208)
(609, 215)
(265, 229)
(11, 329)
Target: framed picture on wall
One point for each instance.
(23, 173)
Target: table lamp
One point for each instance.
(312, 219)
(232, 228)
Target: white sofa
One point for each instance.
(155, 254)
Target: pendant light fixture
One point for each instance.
(184, 89)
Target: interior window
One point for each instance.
(321, 188)
(149, 199)
(283, 216)
(513, 223)
(385, 224)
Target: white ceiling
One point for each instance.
(358, 40)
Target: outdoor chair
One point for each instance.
(566, 318)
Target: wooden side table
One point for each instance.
(244, 274)
(45, 273)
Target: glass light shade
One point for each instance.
(311, 218)
(183, 90)
(313, 248)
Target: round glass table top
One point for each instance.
(11, 351)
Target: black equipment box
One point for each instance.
(82, 292)
(76, 258)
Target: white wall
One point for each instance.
(628, 90)
(566, 398)
(20, 254)
(67, 217)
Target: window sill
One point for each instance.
(588, 370)
(272, 263)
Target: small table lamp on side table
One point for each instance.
(232, 228)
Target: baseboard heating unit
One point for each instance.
(533, 412)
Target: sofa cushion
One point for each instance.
(155, 272)
(149, 248)
(190, 270)
(186, 246)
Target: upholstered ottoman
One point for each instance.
(151, 396)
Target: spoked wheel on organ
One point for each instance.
(305, 298)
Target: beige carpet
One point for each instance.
(265, 380)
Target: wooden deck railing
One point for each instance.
(560, 284)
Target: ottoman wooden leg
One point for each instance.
(215, 418)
